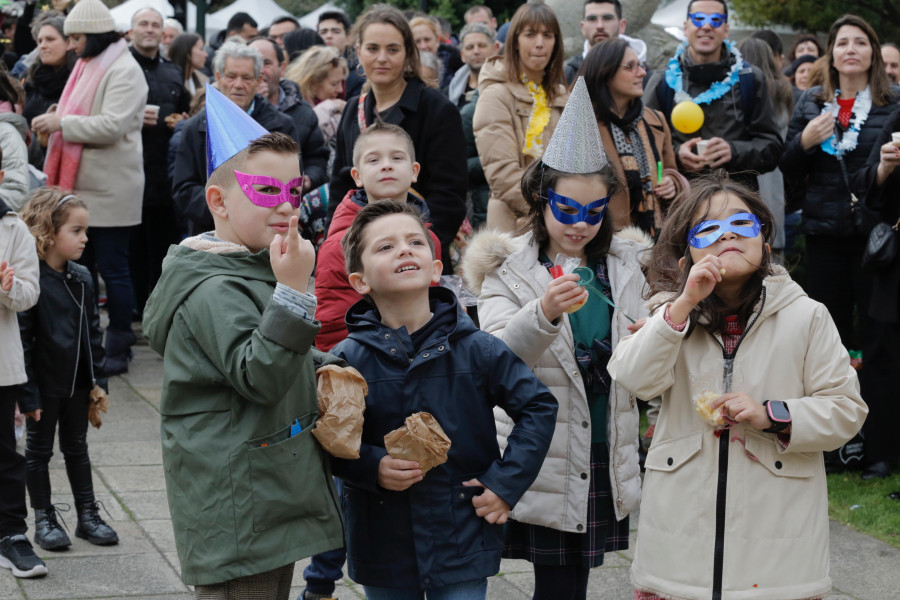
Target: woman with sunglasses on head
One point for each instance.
(834, 128)
(636, 139)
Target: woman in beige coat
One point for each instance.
(521, 96)
(736, 510)
(96, 151)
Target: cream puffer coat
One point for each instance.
(773, 526)
(17, 249)
(505, 274)
(500, 122)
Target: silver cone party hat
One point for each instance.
(576, 146)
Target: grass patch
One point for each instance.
(876, 514)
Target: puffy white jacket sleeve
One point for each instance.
(23, 259)
(525, 329)
(644, 363)
(833, 410)
(14, 188)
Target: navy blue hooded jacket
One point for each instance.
(429, 535)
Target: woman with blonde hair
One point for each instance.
(320, 72)
(521, 97)
(427, 35)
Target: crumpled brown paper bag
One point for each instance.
(99, 402)
(342, 402)
(421, 439)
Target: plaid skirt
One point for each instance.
(551, 547)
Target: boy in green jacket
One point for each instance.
(250, 490)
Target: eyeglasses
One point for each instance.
(715, 20)
(608, 17)
(632, 66)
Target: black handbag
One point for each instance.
(881, 247)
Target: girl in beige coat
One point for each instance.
(735, 507)
(578, 506)
(520, 98)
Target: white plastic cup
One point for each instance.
(701, 147)
(153, 108)
(895, 138)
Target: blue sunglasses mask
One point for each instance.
(570, 212)
(715, 20)
(707, 233)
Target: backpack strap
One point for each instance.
(747, 85)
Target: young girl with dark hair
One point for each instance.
(734, 501)
(578, 506)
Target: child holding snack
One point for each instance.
(384, 168)
(578, 507)
(734, 506)
(249, 488)
(65, 361)
(18, 291)
(437, 534)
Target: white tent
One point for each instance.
(123, 13)
(262, 11)
(311, 20)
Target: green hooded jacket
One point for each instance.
(245, 496)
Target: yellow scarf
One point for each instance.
(537, 121)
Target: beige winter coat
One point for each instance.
(775, 503)
(18, 250)
(505, 274)
(500, 121)
(111, 174)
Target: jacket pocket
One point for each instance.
(671, 455)
(288, 477)
(473, 534)
(761, 448)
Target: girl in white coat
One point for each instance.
(578, 506)
(735, 508)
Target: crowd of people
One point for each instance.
(527, 248)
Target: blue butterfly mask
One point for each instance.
(569, 212)
(699, 19)
(707, 233)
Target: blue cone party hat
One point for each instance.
(576, 146)
(228, 129)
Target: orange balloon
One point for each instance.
(687, 117)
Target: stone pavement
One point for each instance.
(128, 479)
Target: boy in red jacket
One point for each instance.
(384, 168)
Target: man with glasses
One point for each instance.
(602, 21)
(739, 122)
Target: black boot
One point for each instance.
(48, 534)
(92, 528)
(118, 350)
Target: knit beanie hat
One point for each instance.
(89, 16)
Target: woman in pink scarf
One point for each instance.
(95, 151)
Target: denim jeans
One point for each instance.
(467, 590)
(107, 254)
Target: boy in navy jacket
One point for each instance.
(419, 351)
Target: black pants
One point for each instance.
(836, 279)
(149, 245)
(881, 365)
(12, 469)
(72, 416)
(568, 582)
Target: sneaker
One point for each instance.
(17, 554)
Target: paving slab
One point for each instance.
(134, 479)
(126, 453)
(161, 533)
(146, 505)
(9, 587)
(116, 576)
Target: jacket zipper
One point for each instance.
(722, 480)
(78, 347)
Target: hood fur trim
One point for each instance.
(205, 244)
(485, 252)
(635, 234)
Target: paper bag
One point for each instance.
(99, 402)
(421, 439)
(342, 401)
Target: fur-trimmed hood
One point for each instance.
(489, 248)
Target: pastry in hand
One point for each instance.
(703, 404)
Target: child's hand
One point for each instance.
(561, 294)
(489, 505)
(34, 414)
(292, 258)
(702, 279)
(6, 276)
(740, 407)
(396, 474)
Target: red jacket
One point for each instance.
(333, 289)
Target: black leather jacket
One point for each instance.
(62, 340)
